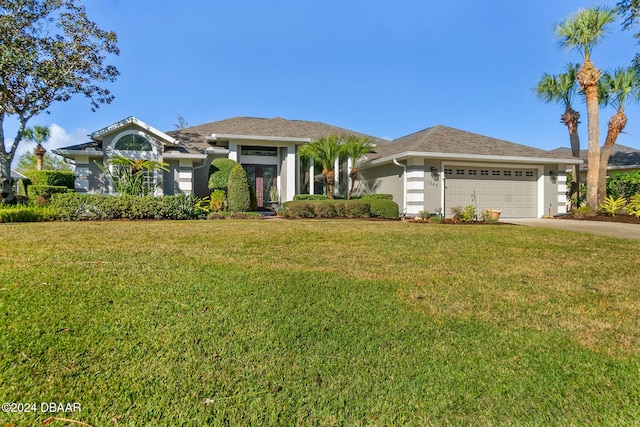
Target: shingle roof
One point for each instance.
(443, 139)
(195, 137)
(621, 156)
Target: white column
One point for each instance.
(312, 174)
(336, 170)
(233, 151)
(291, 174)
(349, 167)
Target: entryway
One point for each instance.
(262, 178)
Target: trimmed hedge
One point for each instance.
(340, 209)
(310, 197)
(376, 197)
(76, 207)
(27, 214)
(41, 190)
(51, 177)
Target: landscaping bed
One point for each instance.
(628, 219)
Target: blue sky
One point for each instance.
(376, 67)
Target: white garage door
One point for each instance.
(510, 190)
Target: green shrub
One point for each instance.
(238, 195)
(633, 208)
(75, 207)
(323, 209)
(27, 214)
(583, 212)
(218, 201)
(51, 177)
(383, 208)
(219, 172)
(298, 197)
(623, 184)
(357, 208)
(612, 206)
(340, 207)
(468, 214)
(40, 190)
(424, 215)
(376, 197)
(297, 209)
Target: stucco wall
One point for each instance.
(383, 179)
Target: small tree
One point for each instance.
(219, 173)
(49, 52)
(324, 150)
(28, 161)
(354, 148)
(38, 134)
(238, 195)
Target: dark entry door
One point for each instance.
(262, 178)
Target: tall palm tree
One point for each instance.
(562, 89)
(354, 148)
(38, 134)
(615, 89)
(582, 32)
(325, 150)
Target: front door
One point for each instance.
(262, 178)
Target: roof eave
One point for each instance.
(472, 157)
(73, 153)
(228, 136)
(100, 134)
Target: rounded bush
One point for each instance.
(238, 196)
(382, 208)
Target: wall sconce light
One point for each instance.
(435, 175)
(553, 176)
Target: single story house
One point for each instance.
(437, 168)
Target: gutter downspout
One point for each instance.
(404, 177)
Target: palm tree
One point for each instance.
(615, 89)
(354, 148)
(130, 176)
(582, 32)
(38, 134)
(562, 89)
(324, 150)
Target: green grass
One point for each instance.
(327, 323)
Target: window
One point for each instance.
(459, 171)
(529, 173)
(484, 172)
(133, 142)
(448, 171)
(473, 172)
(259, 151)
(495, 173)
(507, 173)
(518, 173)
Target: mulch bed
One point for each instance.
(628, 219)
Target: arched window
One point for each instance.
(133, 142)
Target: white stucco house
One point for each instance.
(439, 167)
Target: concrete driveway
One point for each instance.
(609, 229)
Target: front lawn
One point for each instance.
(327, 323)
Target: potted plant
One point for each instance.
(274, 196)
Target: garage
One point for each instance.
(514, 191)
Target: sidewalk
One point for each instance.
(609, 229)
